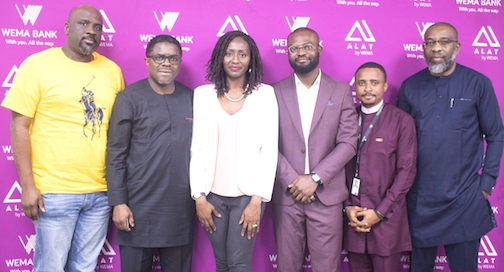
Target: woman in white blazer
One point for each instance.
(234, 150)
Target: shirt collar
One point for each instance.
(315, 83)
(373, 109)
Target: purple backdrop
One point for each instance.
(351, 32)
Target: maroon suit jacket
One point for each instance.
(332, 141)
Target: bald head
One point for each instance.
(439, 25)
(84, 33)
(76, 10)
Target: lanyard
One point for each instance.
(362, 139)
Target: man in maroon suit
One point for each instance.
(379, 177)
(318, 136)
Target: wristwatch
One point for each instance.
(316, 178)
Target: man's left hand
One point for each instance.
(302, 188)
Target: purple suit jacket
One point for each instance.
(332, 141)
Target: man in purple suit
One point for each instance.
(379, 177)
(318, 136)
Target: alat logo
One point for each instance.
(488, 247)
(364, 34)
(486, 37)
(7, 83)
(14, 190)
(108, 31)
(28, 242)
(235, 23)
(107, 249)
(297, 22)
(486, 44)
(360, 39)
(167, 19)
(107, 25)
(12, 200)
(487, 254)
(106, 258)
(29, 13)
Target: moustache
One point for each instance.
(89, 37)
(437, 56)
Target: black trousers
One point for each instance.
(172, 259)
(462, 257)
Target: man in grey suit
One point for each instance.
(318, 136)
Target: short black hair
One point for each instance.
(373, 65)
(160, 39)
(305, 29)
(215, 66)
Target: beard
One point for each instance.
(305, 69)
(87, 49)
(442, 67)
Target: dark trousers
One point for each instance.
(172, 259)
(462, 257)
(363, 262)
(232, 251)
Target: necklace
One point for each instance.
(234, 100)
(239, 98)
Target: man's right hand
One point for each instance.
(123, 217)
(31, 200)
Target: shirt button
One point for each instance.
(437, 117)
(303, 151)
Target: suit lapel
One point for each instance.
(291, 103)
(323, 100)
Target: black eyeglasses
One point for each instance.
(160, 59)
(443, 42)
(306, 47)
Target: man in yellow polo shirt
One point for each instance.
(61, 100)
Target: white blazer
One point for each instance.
(257, 134)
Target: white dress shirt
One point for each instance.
(307, 97)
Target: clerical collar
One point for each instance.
(373, 109)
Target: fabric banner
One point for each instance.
(351, 33)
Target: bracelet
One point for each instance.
(379, 214)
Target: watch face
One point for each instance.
(316, 178)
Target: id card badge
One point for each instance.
(355, 186)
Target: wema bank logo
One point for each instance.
(360, 39)
(29, 37)
(486, 44)
(415, 50)
(167, 19)
(28, 242)
(7, 150)
(293, 23)
(30, 13)
(297, 22)
(488, 255)
(108, 30)
(235, 23)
